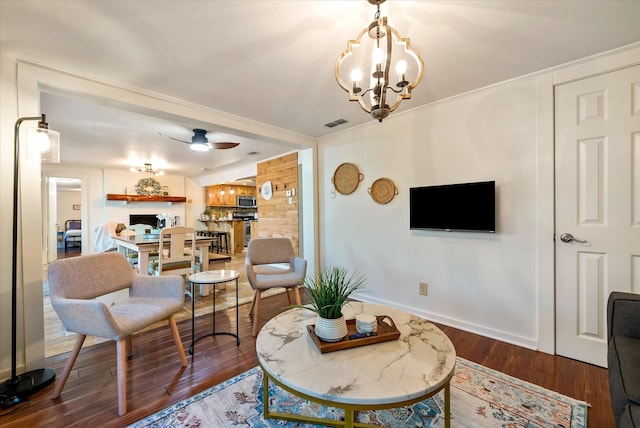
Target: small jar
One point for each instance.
(366, 323)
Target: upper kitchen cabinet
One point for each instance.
(212, 197)
(246, 190)
(225, 195)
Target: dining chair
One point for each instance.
(271, 263)
(137, 230)
(76, 282)
(177, 257)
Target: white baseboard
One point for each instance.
(459, 324)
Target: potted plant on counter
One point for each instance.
(206, 214)
(329, 290)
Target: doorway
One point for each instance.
(597, 211)
(63, 207)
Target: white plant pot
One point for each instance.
(331, 330)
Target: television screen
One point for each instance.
(461, 207)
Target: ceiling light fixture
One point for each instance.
(376, 53)
(148, 168)
(199, 142)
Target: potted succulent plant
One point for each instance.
(206, 214)
(329, 289)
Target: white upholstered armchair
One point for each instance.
(262, 256)
(76, 281)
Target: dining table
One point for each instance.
(150, 243)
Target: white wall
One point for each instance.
(66, 199)
(120, 181)
(195, 204)
(8, 116)
(480, 282)
(498, 285)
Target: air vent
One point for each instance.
(335, 123)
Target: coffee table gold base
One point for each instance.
(349, 409)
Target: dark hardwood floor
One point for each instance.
(156, 379)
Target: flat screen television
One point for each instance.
(468, 207)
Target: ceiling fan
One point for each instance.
(199, 142)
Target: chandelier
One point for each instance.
(148, 168)
(377, 53)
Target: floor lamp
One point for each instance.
(19, 387)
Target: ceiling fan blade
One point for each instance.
(176, 139)
(224, 145)
(200, 134)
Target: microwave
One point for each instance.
(246, 201)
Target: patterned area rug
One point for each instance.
(480, 397)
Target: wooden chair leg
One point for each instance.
(287, 290)
(67, 368)
(122, 376)
(256, 313)
(296, 290)
(178, 340)
(253, 302)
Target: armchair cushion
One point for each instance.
(630, 417)
(268, 279)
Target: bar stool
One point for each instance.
(215, 243)
(223, 236)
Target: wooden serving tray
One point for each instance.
(386, 331)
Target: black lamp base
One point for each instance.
(14, 390)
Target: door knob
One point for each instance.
(567, 237)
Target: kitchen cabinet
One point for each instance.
(238, 236)
(229, 199)
(246, 190)
(214, 197)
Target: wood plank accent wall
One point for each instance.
(276, 217)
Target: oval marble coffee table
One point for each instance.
(379, 376)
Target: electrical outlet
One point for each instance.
(424, 289)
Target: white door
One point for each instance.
(597, 201)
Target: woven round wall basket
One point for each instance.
(383, 190)
(346, 178)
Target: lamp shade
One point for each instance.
(44, 143)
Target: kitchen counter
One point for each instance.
(234, 230)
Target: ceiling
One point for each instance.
(272, 62)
